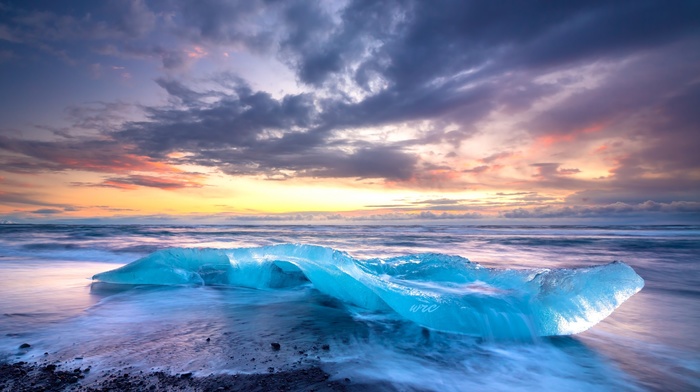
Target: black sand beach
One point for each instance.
(24, 376)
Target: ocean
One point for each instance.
(48, 300)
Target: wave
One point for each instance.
(436, 291)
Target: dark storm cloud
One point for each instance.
(248, 132)
(238, 119)
(375, 162)
(369, 63)
(461, 60)
(418, 60)
(274, 159)
(415, 45)
(457, 62)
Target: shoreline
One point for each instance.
(34, 376)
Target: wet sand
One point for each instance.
(26, 376)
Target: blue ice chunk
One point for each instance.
(173, 267)
(441, 292)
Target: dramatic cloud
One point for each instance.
(134, 181)
(561, 109)
(100, 155)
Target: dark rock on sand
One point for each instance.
(25, 377)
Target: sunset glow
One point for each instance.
(217, 112)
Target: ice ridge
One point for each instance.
(437, 291)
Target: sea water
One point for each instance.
(48, 300)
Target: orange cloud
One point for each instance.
(119, 185)
(135, 181)
(116, 164)
(549, 140)
(196, 53)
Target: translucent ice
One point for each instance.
(446, 293)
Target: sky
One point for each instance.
(358, 111)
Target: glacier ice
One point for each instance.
(441, 292)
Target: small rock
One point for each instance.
(25, 345)
(275, 345)
(186, 375)
(326, 347)
(208, 339)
